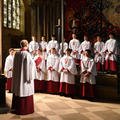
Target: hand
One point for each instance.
(65, 71)
(98, 54)
(87, 74)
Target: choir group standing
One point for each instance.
(29, 68)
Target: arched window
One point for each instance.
(12, 14)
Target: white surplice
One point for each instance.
(53, 61)
(24, 71)
(41, 66)
(65, 47)
(111, 47)
(67, 62)
(74, 45)
(98, 48)
(84, 46)
(88, 65)
(43, 45)
(33, 46)
(52, 44)
(9, 66)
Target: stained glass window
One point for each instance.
(11, 14)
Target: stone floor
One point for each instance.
(55, 107)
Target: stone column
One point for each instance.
(0, 36)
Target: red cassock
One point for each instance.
(8, 84)
(52, 82)
(67, 80)
(87, 84)
(23, 83)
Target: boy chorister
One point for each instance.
(84, 46)
(74, 46)
(65, 47)
(111, 52)
(40, 67)
(43, 45)
(88, 73)
(68, 71)
(33, 47)
(52, 72)
(52, 44)
(99, 55)
(9, 68)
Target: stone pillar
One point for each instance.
(0, 36)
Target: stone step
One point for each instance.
(104, 92)
(107, 80)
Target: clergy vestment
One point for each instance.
(87, 83)
(99, 55)
(52, 76)
(74, 46)
(40, 79)
(110, 60)
(23, 83)
(43, 45)
(8, 70)
(52, 44)
(65, 47)
(67, 80)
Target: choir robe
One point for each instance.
(52, 44)
(24, 70)
(40, 79)
(67, 80)
(43, 45)
(98, 48)
(65, 47)
(84, 46)
(110, 61)
(33, 46)
(87, 84)
(74, 46)
(52, 76)
(8, 71)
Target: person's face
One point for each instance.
(86, 54)
(43, 38)
(12, 52)
(73, 36)
(39, 52)
(98, 38)
(53, 51)
(33, 38)
(111, 36)
(86, 38)
(68, 53)
(53, 38)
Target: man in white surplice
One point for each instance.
(24, 71)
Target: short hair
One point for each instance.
(88, 50)
(40, 50)
(11, 49)
(53, 49)
(113, 34)
(23, 43)
(53, 35)
(69, 50)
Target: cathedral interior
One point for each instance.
(21, 19)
